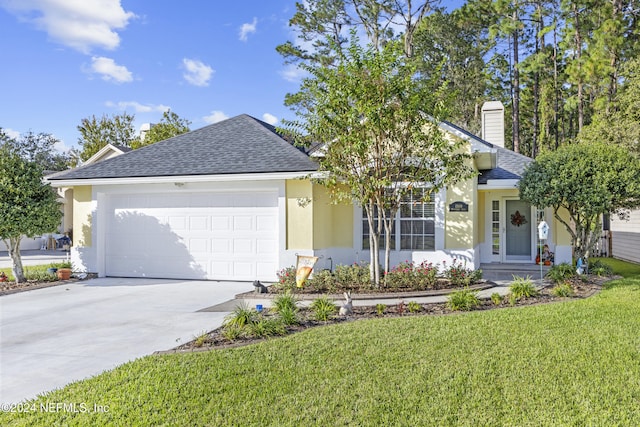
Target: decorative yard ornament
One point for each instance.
(304, 266)
(543, 230)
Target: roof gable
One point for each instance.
(239, 145)
(509, 164)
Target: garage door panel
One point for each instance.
(219, 236)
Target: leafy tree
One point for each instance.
(371, 112)
(96, 133)
(29, 207)
(588, 180)
(170, 125)
(38, 148)
(620, 125)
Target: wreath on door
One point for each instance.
(518, 219)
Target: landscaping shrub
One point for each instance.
(322, 282)
(523, 287)
(354, 276)
(496, 298)
(283, 302)
(464, 299)
(459, 275)
(266, 327)
(600, 268)
(323, 309)
(289, 316)
(414, 307)
(562, 290)
(380, 308)
(407, 275)
(561, 272)
(286, 279)
(241, 316)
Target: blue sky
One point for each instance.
(206, 60)
(64, 60)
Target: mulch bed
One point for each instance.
(215, 339)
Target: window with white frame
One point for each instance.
(414, 224)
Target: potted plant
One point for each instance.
(64, 272)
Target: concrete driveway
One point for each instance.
(51, 337)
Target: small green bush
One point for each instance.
(232, 332)
(284, 301)
(523, 287)
(496, 298)
(352, 276)
(459, 275)
(264, 327)
(289, 316)
(407, 275)
(561, 272)
(323, 309)
(464, 299)
(600, 268)
(414, 307)
(562, 290)
(380, 308)
(241, 316)
(286, 279)
(322, 281)
(201, 339)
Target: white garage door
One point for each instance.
(216, 236)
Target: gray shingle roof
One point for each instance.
(509, 164)
(241, 144)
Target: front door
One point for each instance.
(518, 222)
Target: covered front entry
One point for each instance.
(517, 236)
(199, 235)
(509, 232)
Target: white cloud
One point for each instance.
(197, 73)
(270, 118)
(109, 70)
(79, 24)
(293, 73)
(138, 107)
(247, 29)
(61, 146)
(215, 117)
(13, 134)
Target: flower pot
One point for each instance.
(547, 263)
(52, 270)
(64, 273)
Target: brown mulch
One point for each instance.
(215, 339)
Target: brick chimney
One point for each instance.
(493, 123)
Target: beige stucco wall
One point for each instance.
(299, 197)
(313, 222)
(82, 211)
(332, 223)
(560, 234)
(460, 232)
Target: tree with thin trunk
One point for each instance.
(29, 207)
(380, 127)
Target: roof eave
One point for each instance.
(184, 178)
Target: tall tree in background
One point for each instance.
(38, 148)
(379, 124)
(169, 126)
(95, 133)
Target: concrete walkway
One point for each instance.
(51, 337)
(34, 257)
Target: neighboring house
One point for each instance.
(625, 237)
(234, 201)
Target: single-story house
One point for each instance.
(234, 201)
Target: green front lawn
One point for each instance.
(573, 363)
